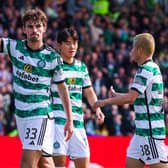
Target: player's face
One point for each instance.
(34, 31)
(69, 48)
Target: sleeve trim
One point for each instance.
(133, 88)
(59, 82)
(87, 87)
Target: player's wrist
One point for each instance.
(70, 119)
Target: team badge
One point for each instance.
(28, 68)
(56, 145)
(41, 63)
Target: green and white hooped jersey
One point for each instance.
(32, 75)
(77, 78)
(148, 106)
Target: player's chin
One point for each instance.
(34, 38)
(72, 54)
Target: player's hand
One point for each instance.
(99, 103)
(99, 116)
(68, 130)
(113, 93)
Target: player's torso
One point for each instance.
(74, 78)
(149, 105)
(32, 73)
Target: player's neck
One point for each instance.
(145, 59)
(34, 45)
(68, 60)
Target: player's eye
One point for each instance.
(38, 25)
(30, 26)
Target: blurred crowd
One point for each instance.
(106, 29)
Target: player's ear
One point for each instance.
(45, 28)
(139, 51)
(59, 46)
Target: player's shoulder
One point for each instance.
(149, 67)
(77, 61)
(10, 40)
(13, 42)
(49, 48)
(81, 65)
(53, 52)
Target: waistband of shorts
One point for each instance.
(62, 121)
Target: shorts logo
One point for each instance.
(28, 68)
(31, 143)
(41, 63)
(148, 158)
(56, 145)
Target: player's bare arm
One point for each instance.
(119, 99)
(63, 93)
(92, 98)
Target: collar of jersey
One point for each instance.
(40, 49)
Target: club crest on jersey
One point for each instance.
(56, 145)
(28, 68)
(71, 81)
(41, 63)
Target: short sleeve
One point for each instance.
(58, 76)
(87, 81)
(5, 43)
(141, 80)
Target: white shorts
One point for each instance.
(36, 133)
(147, 149)
(76, 147)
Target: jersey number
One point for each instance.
(31, 133)
(145, 149)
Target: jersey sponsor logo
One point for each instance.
(41, 63)
(56, 145)
(72, 81)
(23, 75)
(74, 88)
(28, 68)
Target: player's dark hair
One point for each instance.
(36, 15)
(65, 33)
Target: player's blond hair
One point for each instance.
(146, 42)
